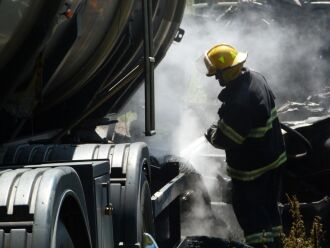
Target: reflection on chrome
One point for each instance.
(11, 15)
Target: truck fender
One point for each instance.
(38, 195)
(132, 201)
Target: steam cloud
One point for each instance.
(285, 45)
(287, 49)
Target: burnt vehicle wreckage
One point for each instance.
(65, 67)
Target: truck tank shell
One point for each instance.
(63, 61)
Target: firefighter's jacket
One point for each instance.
(248, 128)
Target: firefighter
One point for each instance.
(249, 131)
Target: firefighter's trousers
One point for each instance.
(256, 207)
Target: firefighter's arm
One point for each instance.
(232, 128)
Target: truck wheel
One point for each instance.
(63, 238)
(131, 199)
(70, 227)
(39, 213)
(60, 208)
(147, 224)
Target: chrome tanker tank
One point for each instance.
(65, 67)
(65, 63)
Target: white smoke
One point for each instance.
(286, 49)
(287, 53)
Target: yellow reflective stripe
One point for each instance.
(251, 175)
(277, 231)
(231, 133)
(259, 238)
(261, 131)
(254, 133)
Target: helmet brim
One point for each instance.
(239, 59)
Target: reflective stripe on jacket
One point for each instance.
(265, 236)
(248, 127)
(259, 238)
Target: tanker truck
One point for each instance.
(66, 67)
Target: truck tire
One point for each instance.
(147, 219)
(130, 193)
(63, 238)
(33, 203)
(129, 180)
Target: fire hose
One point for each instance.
(298, 135)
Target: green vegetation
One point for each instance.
(297, 237)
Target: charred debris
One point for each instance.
(303, 93)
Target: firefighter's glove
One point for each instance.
(208, 135)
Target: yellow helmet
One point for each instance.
(223, 57)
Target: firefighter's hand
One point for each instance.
(210, 132)
(212, 136)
